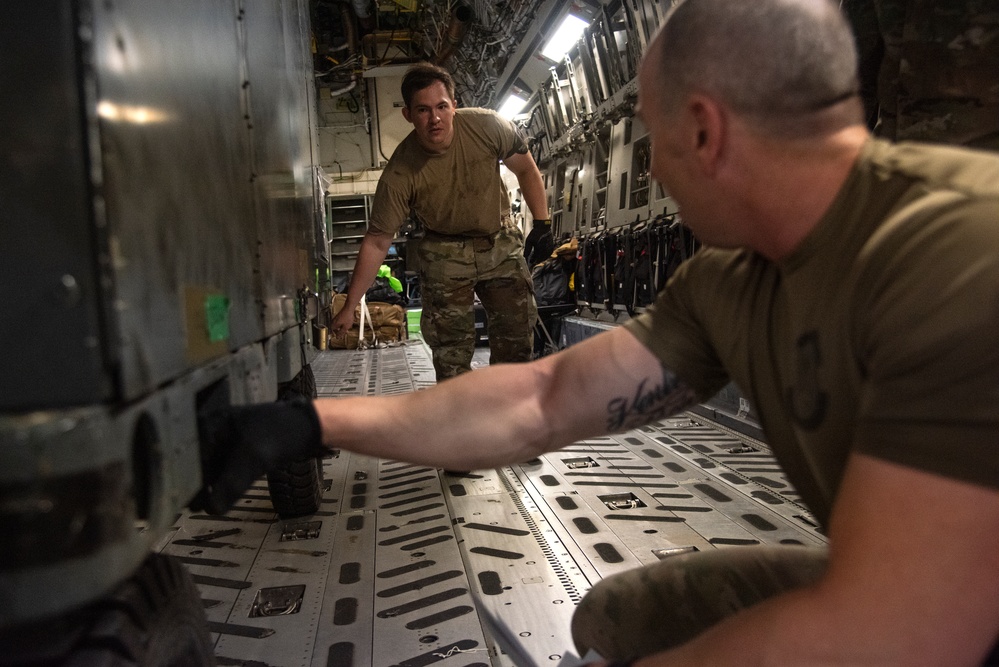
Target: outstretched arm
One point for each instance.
(495, 416)
(512, 412)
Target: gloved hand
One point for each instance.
(243, 442)
(539, 242)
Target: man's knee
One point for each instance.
(450, 334)
(631, 614)
(446, 324)
(512, 314)
(450, 362)
(599, 617)
(659, 606)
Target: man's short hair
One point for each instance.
(773, 61)
(423, 75)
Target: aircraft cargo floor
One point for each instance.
(383, 573)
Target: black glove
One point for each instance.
(539, 242)
(241, 443)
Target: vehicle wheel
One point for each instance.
(154, 619)
(297, 489)
(303, 384)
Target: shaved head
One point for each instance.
(779, 63)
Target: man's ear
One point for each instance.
(708, 132)
(405, 114)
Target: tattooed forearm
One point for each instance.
(649, 404)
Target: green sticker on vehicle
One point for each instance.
(217, 317)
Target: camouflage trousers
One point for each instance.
(452, 270)
(928, 69)
(652, 608)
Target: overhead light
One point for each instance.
(564, 38)
(513, 106)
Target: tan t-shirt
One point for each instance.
(458, 192)
(880, 333)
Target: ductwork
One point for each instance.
(457, 28)
(349, 29)
(351, 84)
(362, 8)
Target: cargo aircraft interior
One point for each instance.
(190, 185)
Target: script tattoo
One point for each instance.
(649, 403)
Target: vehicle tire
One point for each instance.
(154, 618)
(303, 384)
(297, 489)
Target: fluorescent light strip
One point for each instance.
(513, 106)
(565, 37)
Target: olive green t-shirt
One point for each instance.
(458, 192)
(879, 334)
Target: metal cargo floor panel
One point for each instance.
(383, 573)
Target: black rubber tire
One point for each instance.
(155, 618)
(303, 384)
(297, 489)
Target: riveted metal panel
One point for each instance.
(50, 294)
(175, 170)
(279, 97)
(203, 172)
